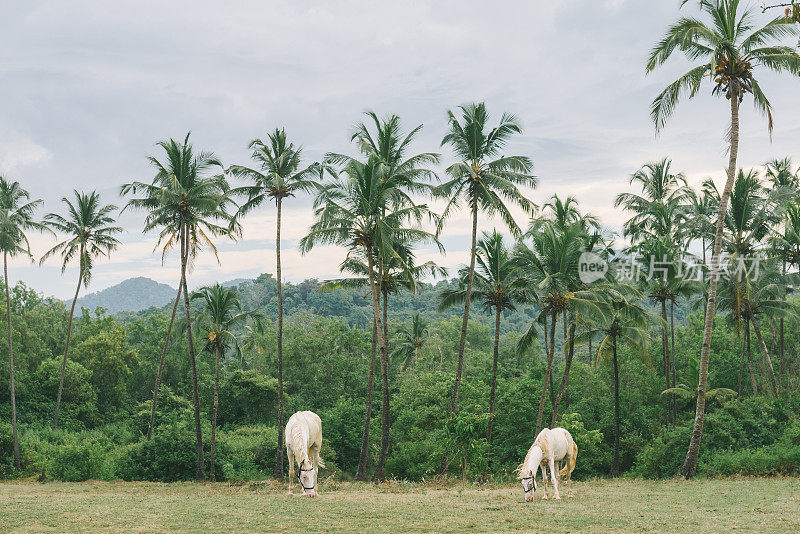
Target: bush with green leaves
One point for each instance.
(79, 460)
(171, 456)
(6, 452)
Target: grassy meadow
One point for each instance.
(741, 505)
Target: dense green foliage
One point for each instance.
(108, 388)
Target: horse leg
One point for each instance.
(553, 478)
(291, 466)
(544, 482)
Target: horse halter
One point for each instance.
(299, 472)
(533, 486)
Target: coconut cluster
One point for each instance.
(739, 70)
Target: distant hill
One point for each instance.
(133, 294)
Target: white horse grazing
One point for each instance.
(549, 448)
(303, 440)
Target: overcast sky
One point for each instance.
(87, 88)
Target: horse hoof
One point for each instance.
(556, 498)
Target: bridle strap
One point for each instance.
(533, 486)
(300, 470)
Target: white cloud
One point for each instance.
(88, 87)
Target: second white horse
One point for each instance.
(549, 448)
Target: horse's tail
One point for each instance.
(569, 466)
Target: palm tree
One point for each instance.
(368, 212)
(16, 218)
(563, 214)
(658, 209)
(656, 231)
(280, 174)
(730, 48)
(782, 174)
(221, 314)
(495, 284)
(188, 208)
(549, 269)
(384, 141)
(664, 279)
(90, 236)
(787, 244)
(486, 180)
(624, 322)
(410, 340)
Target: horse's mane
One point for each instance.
(541, 442)
(296, 439)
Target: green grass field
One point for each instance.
(746, 505)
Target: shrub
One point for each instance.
(247, 452)
(590, 454)
(6, 451)
(170, 456)
(80, 460)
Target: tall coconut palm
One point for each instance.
(16, 218)
(565, 216)
(188, 207)
(486, 180)
(549, 269)
(90, 235)
(365, 212)
(280, 174)
(384, 140)
(731, 50)
(624, 322)
(220, 316)
(495, 285)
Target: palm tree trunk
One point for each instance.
(689, 467)
(493, 387)
(565, 379)
(468, 296)
(741, 366)
(672, 356)
(783, 355)
(385, 317)
(161, 363)
(201, 470)
(665, 356)
(361, 472)
(212, 470)
(278, 472)
(550, 354)
(379, 469)
(385, 419)
(66, 347)
(17, 463)
(615, 464)
(770, 370)
(753, 383)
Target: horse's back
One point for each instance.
(309, 421)
(561, 442)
